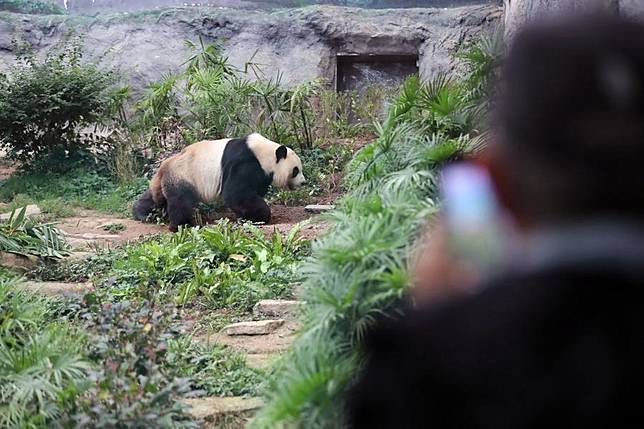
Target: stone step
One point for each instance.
(19, 263)
(259, 327)
(58, 288)
(88, 241)
(30, 210)
(270, 344)
(90, 236)
(250, 344)
(319, 208)
(214, 408)
(276, 308)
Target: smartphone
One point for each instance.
(472, 218)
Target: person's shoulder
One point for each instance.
(518, 305)
(501, 315)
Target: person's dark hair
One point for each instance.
(570, 116)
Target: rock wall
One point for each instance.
(519, 12)
(85, 6)
(632, 8)
(301, 44)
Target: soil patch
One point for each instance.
(92, 229)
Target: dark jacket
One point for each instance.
(558, 345)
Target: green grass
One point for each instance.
(58, 194)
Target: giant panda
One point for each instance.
(235, 171)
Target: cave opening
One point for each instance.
(358, 72)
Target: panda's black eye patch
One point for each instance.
(296, 171)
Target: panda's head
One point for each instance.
(288, 169)
(277, 160)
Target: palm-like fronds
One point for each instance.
(23, 235)
(359, 269)
(159, 100)
(41, 363)
(35, 376)
(480, 57)
(310, 371)
(207, 56)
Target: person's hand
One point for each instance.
(437, 273)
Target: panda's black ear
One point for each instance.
(280, 153)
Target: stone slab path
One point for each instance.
(58, 288)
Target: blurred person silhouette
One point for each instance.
(553, 340)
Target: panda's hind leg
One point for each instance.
(252, 208)
(181, 199)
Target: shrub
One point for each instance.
(349, 114)
(45, 104)
(31, 6)
(77, 270)
(223, 100)
(129, 386)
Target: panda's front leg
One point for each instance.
(252, 208)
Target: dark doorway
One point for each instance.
(357, 72)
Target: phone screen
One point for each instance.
(472, 217)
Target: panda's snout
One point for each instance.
(296, 183)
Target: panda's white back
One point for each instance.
(201, 163)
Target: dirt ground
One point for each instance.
(87, 229)
(90, 229)
(283, 219)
